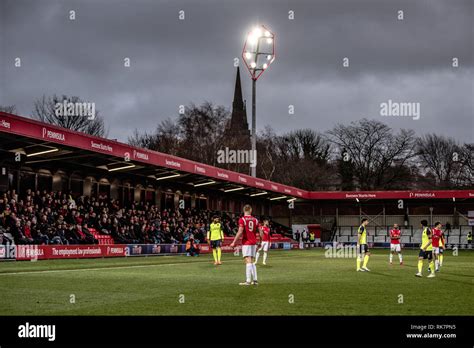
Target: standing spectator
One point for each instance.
(312, 237)
(305, 235)
(448, 228)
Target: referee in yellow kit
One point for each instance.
(215, 237)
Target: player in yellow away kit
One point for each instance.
(362, 247)
(426, 250)
(215, 237)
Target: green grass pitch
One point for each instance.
(293, 283)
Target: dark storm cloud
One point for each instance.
(177, 62)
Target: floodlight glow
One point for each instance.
(257, 32)
(259, 48)
(252, 39)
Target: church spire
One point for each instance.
(237, 133)
(238, 103)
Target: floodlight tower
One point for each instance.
(258, 54)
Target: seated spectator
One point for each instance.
(192, 249)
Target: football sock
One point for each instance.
(265, 257)
(441, 259)
(366, 260)
(257, 256)
(214, 253)
(436, 264)
(432, 267)
(420, 266)
(391, 257)
(254, 271)
(358, 262)
(219, 253)
(248, 272)
(400, 257)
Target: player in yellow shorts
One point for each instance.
(426, 250)
(215, 237)
(362, 247)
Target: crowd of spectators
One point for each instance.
(58, 218)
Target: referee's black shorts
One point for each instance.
(215, 244)
(426, 254)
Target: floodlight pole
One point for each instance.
(255, 71)
(254, 128)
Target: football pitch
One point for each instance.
(294, 282)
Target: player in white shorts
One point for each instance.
(248, 227)
(395, 246)
(265, 242)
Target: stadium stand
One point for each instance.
(58, 218)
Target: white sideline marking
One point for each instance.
(98, 268)
(118, 267)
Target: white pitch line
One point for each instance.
(98, 268)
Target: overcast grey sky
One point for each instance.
(176, 62)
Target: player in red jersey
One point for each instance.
(265, 242)
(436, 236)
(395, 246)
(248, 227)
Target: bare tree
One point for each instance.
(266, 155)
(201, 130)
(466, 177)
(196, 135)
(377, 154)
(165, 138)
(45, 110)
(9, 109)
(450, 163)
(304, 144)
(307, 153)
